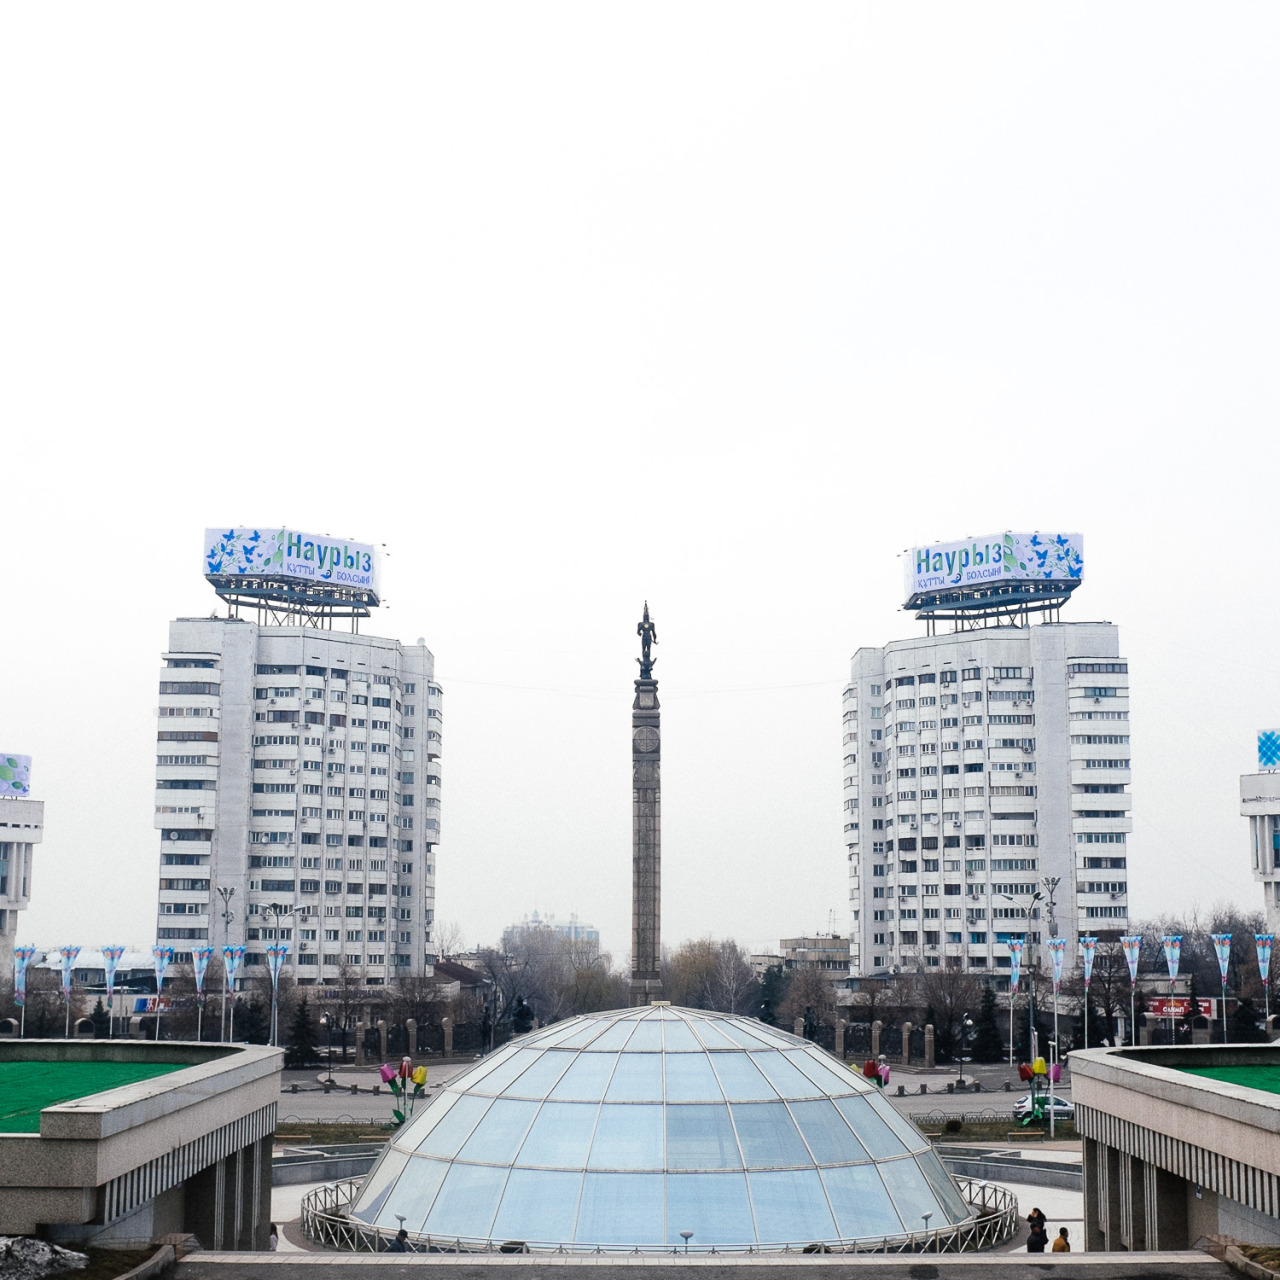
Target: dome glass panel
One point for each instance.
(623, 1129)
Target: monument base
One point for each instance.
(644, 991)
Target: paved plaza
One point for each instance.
(311, 1103)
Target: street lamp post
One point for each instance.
(226, 894)
(1051, 888)
(275, 913)
(1036, 896)
(966, 1025)
(327, 1023)
(1053, 1097)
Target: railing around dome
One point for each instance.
(325, 1222)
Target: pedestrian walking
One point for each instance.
(1037, 1240)
(1062, 1244)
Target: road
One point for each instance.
(310, 1102)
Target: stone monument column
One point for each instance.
(646, 826)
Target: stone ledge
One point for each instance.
(1181, 1265)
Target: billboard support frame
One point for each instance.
(277, 605)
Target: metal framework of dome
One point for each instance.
(629, 1129)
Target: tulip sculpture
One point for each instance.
(408, 1084)
(1036, 1074)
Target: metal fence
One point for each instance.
(995, 1220)
(938, 1117)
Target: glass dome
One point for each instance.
(627, 1129)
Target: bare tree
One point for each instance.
(946, 995)
(416, 997)
(46, 1011)
(704, 974)
(808, 989)
(448, 938)
(734, 988)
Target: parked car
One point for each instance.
(1063, 1108)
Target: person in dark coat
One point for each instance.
(1037, 1240)
(1036, 1219)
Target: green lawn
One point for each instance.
(26, 1088)
(1266, 1078)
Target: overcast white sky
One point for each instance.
(574, 305)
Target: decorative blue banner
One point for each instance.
(163, 957)
(200, 957)
(1263, 941)
(1132, 944)
(276, 952)
(1057, 951)
(1015, 963)
(1222, 948)
(22, 957)
(1088, 949)
(68, 955)
(110, 959)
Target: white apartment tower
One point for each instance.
(298, 780)
(984, 767)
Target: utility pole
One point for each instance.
(1051, 887)
(226, 894)
(276, 912)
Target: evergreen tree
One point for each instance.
(101, 1020)
(1194, 1011)
(773, 991)
(1099, 1030)
(302, 1050)
(988, 1043)
(253, 1025)
(1243, 1023)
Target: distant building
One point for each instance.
(537, 928)
(21, 829)
(454, 980)
(1260, 803)
(761, 964)
(823, 951)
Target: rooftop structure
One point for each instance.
(997, 579)
(1179, 1143)
(121, 1142)
(284, 576)
(637, 1129)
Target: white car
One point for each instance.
(1063, 1108)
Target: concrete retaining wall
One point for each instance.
(972, 1266)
